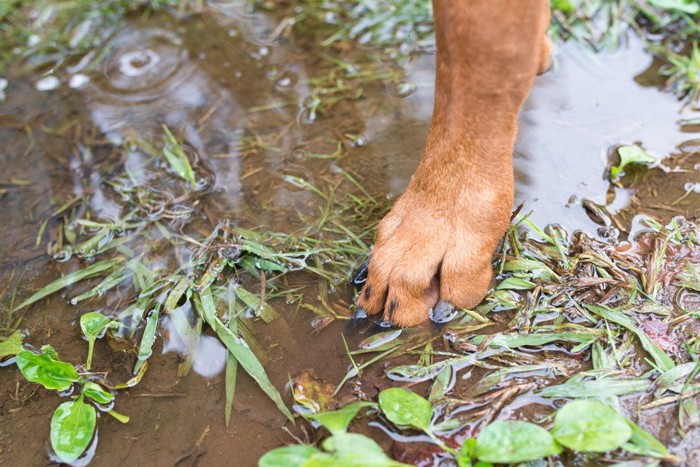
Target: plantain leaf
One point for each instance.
(72, 428)
(47, 371)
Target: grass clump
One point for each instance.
(571, 318)
(46, 34)
(161, 258)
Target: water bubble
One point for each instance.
(401, 88)
(286, 81)
(690, 186)
(78, 81)
(48, 83)
(260, 52)
(297, 155)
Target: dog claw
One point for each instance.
(359, 276)
(359, 314)
(443, 312)
(386, 324)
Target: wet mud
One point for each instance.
(243, 100)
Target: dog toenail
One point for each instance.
(442, 312)
(359, 276)
(386, 324)
(360, 313)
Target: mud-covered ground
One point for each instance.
(287, 135)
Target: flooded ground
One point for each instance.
(265, 112)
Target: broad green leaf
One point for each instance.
(231, 362)
(515, 340)
(590, 426)
(564, 6)
(537, 269)
(630, 155)
(466, 453)
(380, 339)
(50, 351)
(43, 369)
(287, 456)
(11, 346)
(94, 325)
(204, 303)
(72, 427)
(354, 450)
(69, 279)
(97, 393)
(443, 383)
(405, 408)
(690, 277)
(338, 421)
(263, 310)
(514, 441)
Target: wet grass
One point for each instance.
(49, 35)
(160, 260)
(404, 28)
(570, 317)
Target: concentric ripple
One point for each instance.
(145, 64)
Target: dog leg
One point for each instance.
(438, 240)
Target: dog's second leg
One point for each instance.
(438, 240)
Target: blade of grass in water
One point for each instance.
(231, 362)
(177, 158)
(70, 279)
(204, 303)
(148, 339)
(597, 388)
(662, 360)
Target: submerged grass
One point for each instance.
(577, 324)
(570, 316)
(404, 27)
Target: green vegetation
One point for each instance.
(584, 426)
(73, 423)
(124, 255)
(48, 34)
(571, 318)
(404, 27)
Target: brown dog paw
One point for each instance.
(435, 245)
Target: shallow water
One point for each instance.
(241, 101)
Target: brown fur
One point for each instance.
(438, 240)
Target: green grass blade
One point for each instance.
(238, 347)
(662, 360)
(70, 279)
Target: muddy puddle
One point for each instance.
(264, 112)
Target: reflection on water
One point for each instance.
(205, 354)
(240, 93)
(575, 114)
